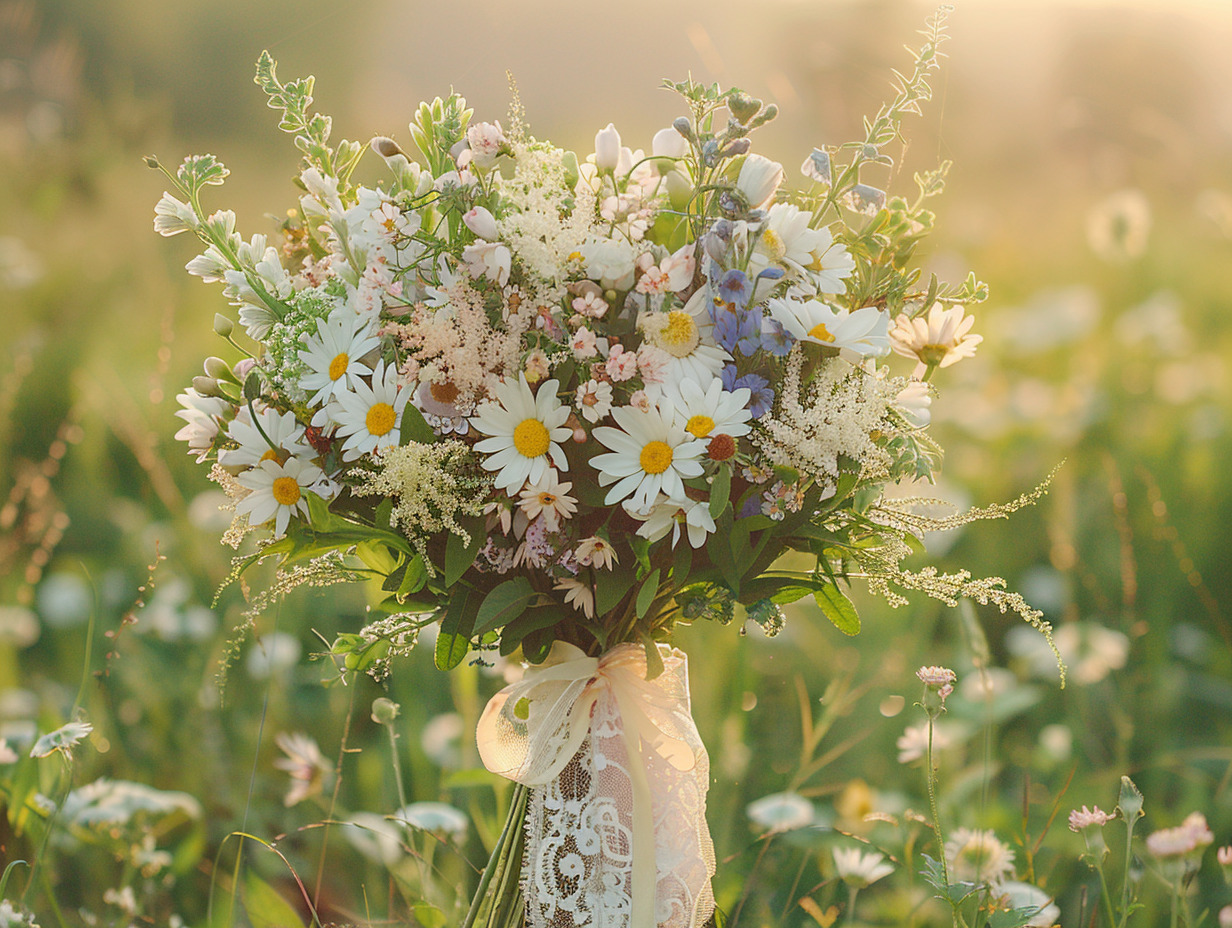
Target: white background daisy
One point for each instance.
(650, 455)
(333, 354)
(526, 429)
(277, 491)
(667, 515)
(371, 417)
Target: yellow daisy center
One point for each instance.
(773, 244)
(932, 354)
(547, 500)
(700, 426)
(656, 457)
(531, 438)
(821, 333)
(679, 337)
(276, 455)
(380, 419)
(338, 366)
(286, 491)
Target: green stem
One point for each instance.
(1103, 885)
(497, 899)
(852, 892)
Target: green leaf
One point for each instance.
(415, 428)
(531, 622)
(414, 577)
(458, 555)
(953, 893)
(720, 551)
(720, 491)
(265, 908)
(198, 171)
(383, 517)
(503, 604)
(838, 609)
(611, 587)
(428, 915)
(377, 556)
(454, 638)
(654, 660)
(536, 645)
(646, 595)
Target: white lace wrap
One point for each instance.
(617, 767)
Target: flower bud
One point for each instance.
(207, 386)
(218, 369)
(816, 167)
(223, 326)
(384, 710)
(243, 367)
(668, 143)
(385, 147)
(607, 148)
(480, 221)
(759, 179)
(682, 125)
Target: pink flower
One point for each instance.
(640, 401)
(480, 221)
(590, 304)
(936, 677)
(621, 364)
(486, 141)
(653, 363)
(583, 343)
(1083, 818)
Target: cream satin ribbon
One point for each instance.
(530, 730)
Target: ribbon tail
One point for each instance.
(645, 870)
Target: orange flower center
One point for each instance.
(821, 333)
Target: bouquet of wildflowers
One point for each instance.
(558, 404)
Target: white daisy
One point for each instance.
(650, 455)
(283, 430)
(370, 418)
(687, 335)
(830, 264)
(939, 340)
(277, 491)
(978, 856)
(857, 869)
(787, 240)
(861, 333)
(550, 498)
(525, 429)
(667, 515)
(333, 354)
(204, 417)
(711, 411)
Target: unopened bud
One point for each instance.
(218, 369)
(384, 711)
(207, 386)
(385, 147)
(151, 162)
(223, 326)
(685, 128)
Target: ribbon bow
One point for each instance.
(530, 730)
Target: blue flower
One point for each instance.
(762, 398)
(750, 332)
(726, 328)
(735, 287)
(751, 507)
(774, 338)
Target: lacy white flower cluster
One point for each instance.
(557, 354)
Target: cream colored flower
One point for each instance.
(578, 595)
(978, 857)
(550, 498)
(862, 333)
(594, 399)
(596, 552)
(370, 418)
(857, 869)
(526, 429)
(333, 355)
(686, 335)
(939, 340)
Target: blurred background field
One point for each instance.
(1092, 190)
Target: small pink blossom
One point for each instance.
(1191, 835)
(936, 677)
(486, 141)
(621, 364)
(480, 221)
(653, 363)
(1084, 818)
(640, 401)
(679, 268)
(536, 367)
(583, 343)
(590, 304)
(1224, 856)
